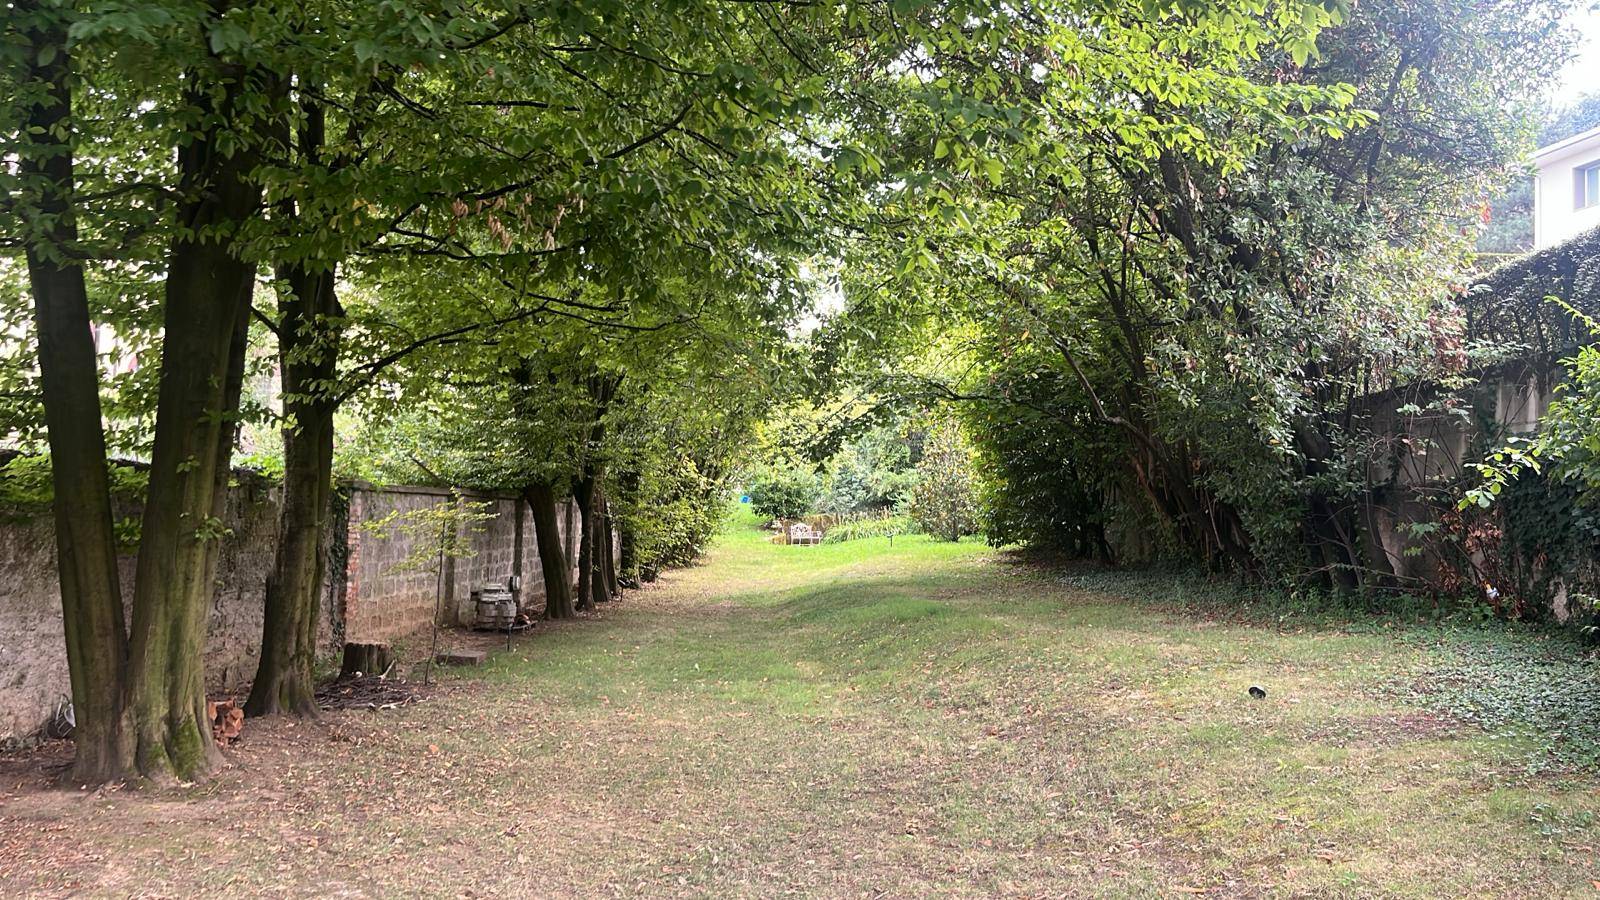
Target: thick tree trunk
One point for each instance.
(308, 351)
(86, 551)
(207, 290)
(558, 601)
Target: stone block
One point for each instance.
(461, 657)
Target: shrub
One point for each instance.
(673, 512)
(945, 501)
(783, 493)
(676, 532)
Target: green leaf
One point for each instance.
(994, 169)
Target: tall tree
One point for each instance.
(209, 284)
(156, 727)
(1215, 301)
(86, 548)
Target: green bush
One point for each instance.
(677, 530)
(783, 493)
(26, 488)
(674, 511)
(872, 472)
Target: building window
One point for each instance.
(1586, 185)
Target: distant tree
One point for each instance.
(1576, 117)
(945, 500)
(874, 471)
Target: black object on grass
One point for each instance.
(1258, 692)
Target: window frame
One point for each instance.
(1585, 177)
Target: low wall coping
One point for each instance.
(369, 487)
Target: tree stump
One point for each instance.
(365, 659)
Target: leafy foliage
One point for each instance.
(26, 489)
(575, 246)
(944, 502)
(1533, 692)
(872, 472)
(1508, 225)
(1161, 339)
(1545, 489)
(678, 512)
(785, 492)
(435, 532)
(1568, 442)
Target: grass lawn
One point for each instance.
(857, 720)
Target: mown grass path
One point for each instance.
(854, 720)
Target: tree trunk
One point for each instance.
(558, 601)
(208, 288)
(308, 350)
(86, 551)
(233, 389)
(608, 555)
(591, 580)
(599, 581)
(628, 550)
(583, 491)
(1329, 544)
(569, 539)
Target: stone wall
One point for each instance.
(369, 594)
(1427, 438)
(1424, 451)
(33, 660)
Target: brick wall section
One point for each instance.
(372, 599)
(386, 601)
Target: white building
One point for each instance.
(1566, 189)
